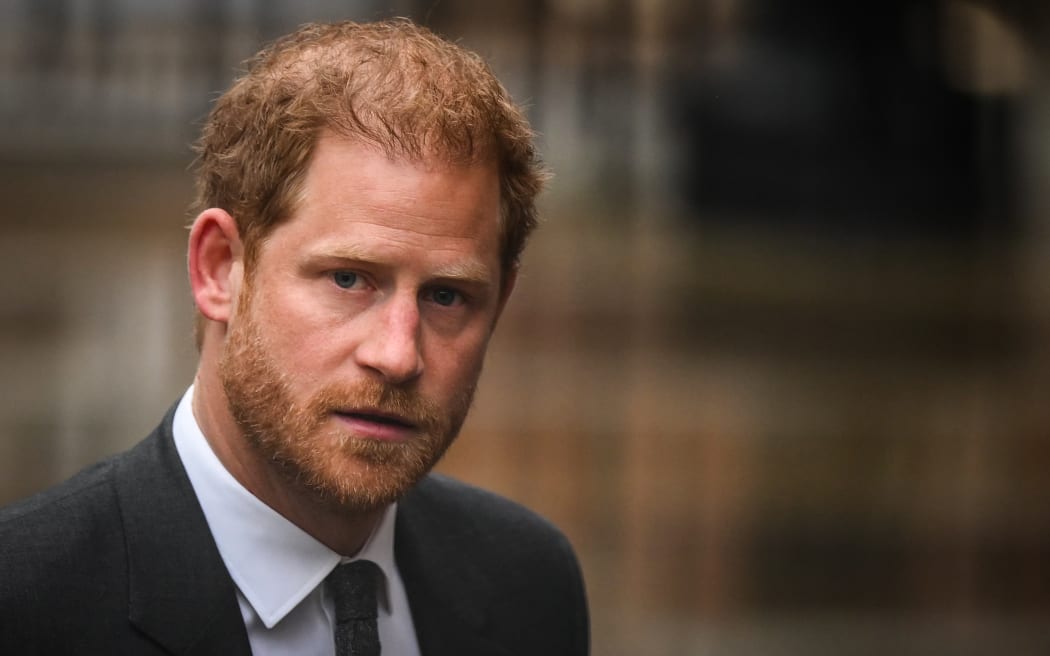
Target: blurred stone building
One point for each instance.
(778, 357)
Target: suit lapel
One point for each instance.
(447, 596)
(182, 597)
(180, 593)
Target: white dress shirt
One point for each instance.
(279, 569)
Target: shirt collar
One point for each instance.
(273, 562)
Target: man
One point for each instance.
(365, 192)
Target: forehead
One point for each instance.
(357, 198)
(343, 170)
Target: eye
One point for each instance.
(445, 296)
(345, 279)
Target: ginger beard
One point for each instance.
(307, 443)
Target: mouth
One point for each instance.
(377, 417)
(375, 424)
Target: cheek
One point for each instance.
(457, 365)
(296, 336)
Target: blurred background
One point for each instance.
(779, 359)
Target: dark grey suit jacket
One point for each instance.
(119, 560)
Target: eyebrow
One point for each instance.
(469, 271)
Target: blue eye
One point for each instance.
(445, 296)
(345, 279)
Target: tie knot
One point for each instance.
(353, 589)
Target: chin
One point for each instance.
(365, 475)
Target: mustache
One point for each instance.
(374, 397)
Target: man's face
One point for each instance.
(352, 357)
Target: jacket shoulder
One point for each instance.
(62, 562)
(58, 520)
(495, 530)
(518, 566)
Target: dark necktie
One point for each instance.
(353, 588)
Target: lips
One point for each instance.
(376, 424)
(379, 418)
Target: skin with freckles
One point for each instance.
(341, 364)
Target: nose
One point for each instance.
(391, 345)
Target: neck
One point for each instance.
(336, 528)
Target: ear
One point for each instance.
(216, 264)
